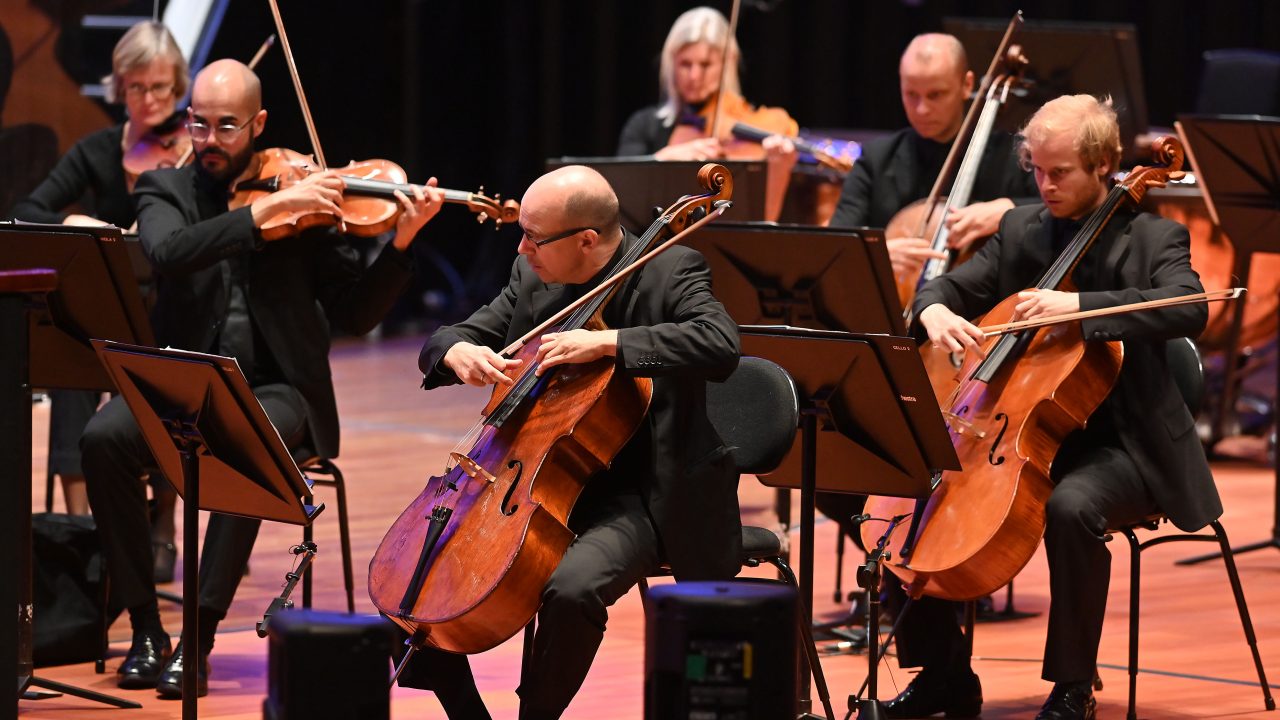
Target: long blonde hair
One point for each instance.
(141, 44)
(699, 25)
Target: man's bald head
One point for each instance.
(229, 83)
(579, 196)
(928, 49)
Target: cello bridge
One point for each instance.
(471, 467)
(960, 425)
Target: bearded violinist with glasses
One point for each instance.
(225, 288)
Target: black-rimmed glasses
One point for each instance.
(561, 236)
(228, 132)
(159, 91)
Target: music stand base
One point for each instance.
(59, 688)
(1274, 543)
(871, 710)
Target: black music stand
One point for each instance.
(643, 184)
(97, 296)
(804, 276)
(1236, 158)
(205, 428)
(868, 409)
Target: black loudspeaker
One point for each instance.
(328, 665)
(720, 651)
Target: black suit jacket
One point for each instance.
(297, 287)
(92, 171)
(1142, 257)
(886, 179)
(673, 330)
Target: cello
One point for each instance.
(1008, 411)
(463, 567)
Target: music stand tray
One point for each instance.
(643, 184)
(802, 276)
(213, 441)
(97, 297)
(1235, 158)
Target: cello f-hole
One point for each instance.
(509, 508)
(991, 455)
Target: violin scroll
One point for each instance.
(1167, 151)
(502, 211)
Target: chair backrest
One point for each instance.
(756, 412)
(1239, 82)
(1188, 372)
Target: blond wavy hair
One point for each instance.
(1093, 120)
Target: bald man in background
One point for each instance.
(670, 495)
(222, 289)
(900, 169)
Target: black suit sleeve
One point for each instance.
(854, 205)
(971, 289)
(356, 298)
(1171, 276)
(699, 339)
(66, 184)
(486, 326)
(176, 246)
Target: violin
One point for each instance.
(744, 127)
(1008, 410)
(164, 146)
(463, 567)
(369, 206)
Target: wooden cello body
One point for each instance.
(507, 534)
(463, 567)
(1008, 412)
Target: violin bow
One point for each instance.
(969, 119)
(1204, 297)
(297, 86)
(713, 129)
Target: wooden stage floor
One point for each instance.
(1194, 659)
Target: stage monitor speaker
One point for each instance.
(328, 665)
(720, 650)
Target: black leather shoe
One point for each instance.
(170, 683)
(141, 667)
(1069, 701)
(958, 694)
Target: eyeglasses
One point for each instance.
(228, 132)
(561, 236)
(159, 91)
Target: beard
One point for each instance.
(232, 165)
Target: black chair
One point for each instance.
(324, 472)
(1188, 374)
(1239, 82)
(756, 411)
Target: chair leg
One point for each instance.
(1135, 587)
(306, 577)
(806, 633)
(344, 533)
(527, 658)
(838, 595)
(1228, 559)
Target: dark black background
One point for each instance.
(480, 93)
